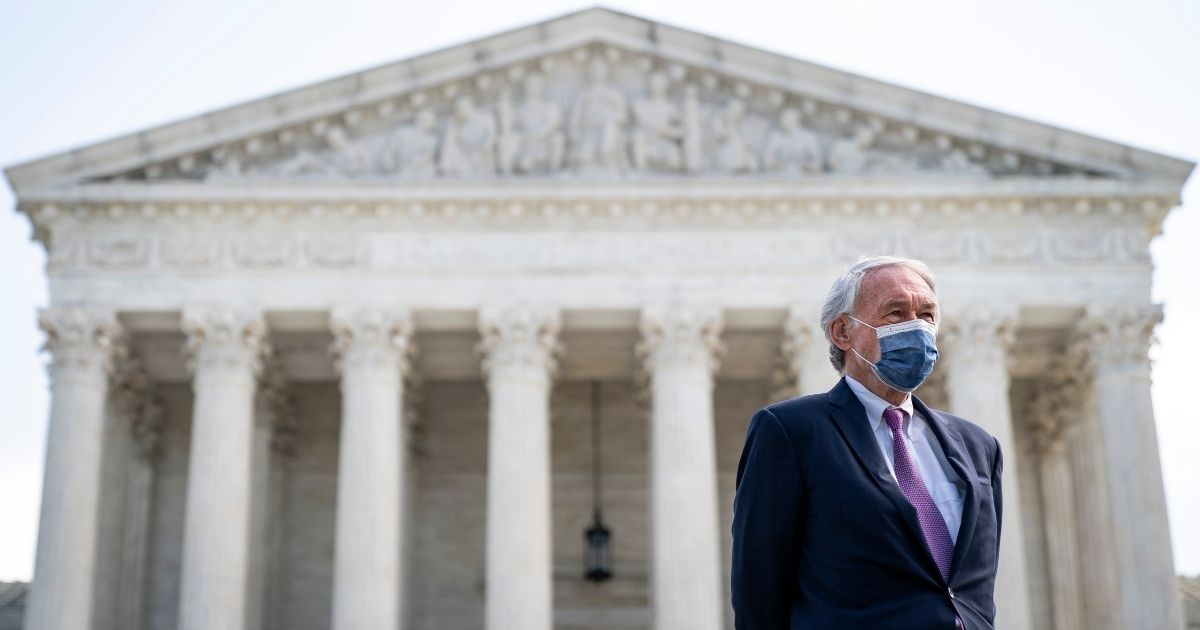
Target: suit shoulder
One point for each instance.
(798, 414)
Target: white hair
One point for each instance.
(843, 295)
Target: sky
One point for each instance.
(77, 72)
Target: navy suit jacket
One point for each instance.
(823, 537)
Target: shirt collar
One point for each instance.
(875, 405)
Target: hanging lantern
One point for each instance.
(596, 551)
(596, 538)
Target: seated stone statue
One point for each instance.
(656, 139)
(850, 155)
(734, 154)
(340, 156)
(533, 140)
(411, 152)
(791, 148)
(468, 144)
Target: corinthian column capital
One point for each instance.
(134, 399)
(680, 335)
(516, 336)
(80, 338)
(371, 336)
(1053, 410)
(979, 333)
(276, 407)
(1120, 335)
(801, 330)
(224, 337)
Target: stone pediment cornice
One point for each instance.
(596, 94)
(634, 205)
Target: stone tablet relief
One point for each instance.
(588, 114)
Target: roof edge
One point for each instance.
(596, 24)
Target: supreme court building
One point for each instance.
(333, 358)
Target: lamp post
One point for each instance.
(597, 537)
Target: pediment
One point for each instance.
(597, 95)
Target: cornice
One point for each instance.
(673, 202)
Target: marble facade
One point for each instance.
(322, 360)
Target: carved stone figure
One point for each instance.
(508, 141)
(226, 164)
(958, 163)
(734, 154)
(596, 124)
(791, 148)
(656, 140)
(531, 137)
(850, 155)
(341, 156)
(693, 137)
(468, 144)
(412, 150)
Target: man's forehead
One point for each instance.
(893, 280)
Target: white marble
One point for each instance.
(680, 344)
(372, 349)
(1119, 336)
(225, 348)
(1052, 415)
(84, 343)
(519, 345)
(807, 351)
(976, 340)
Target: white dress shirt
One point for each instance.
(924, 450)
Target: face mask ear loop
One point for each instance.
(861, 321)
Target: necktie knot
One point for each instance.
(894, 416)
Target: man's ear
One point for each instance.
(840, 333)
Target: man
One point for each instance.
(861, 507)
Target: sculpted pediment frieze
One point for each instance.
(598, 112)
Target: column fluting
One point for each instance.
(83, 343)
(977, 341)
(372, 354)
(680, 345)
(225, 350)
(519, 347)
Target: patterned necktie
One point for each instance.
(932, 523)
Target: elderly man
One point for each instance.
(861, 507)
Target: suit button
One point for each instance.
(951, 592)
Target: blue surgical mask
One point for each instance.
(907, 352)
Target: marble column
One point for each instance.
(140, 426)
(976, 341)
(519, 347)
(371, 349)
(83, 343)
(1119, 337)
(224, 350)
(680, 345)
(1098, 571)
(807, 351)
(1052, 416)
(272, 444)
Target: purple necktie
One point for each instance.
(932, 523)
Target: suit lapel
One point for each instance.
(851, 420)
(956, 453)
